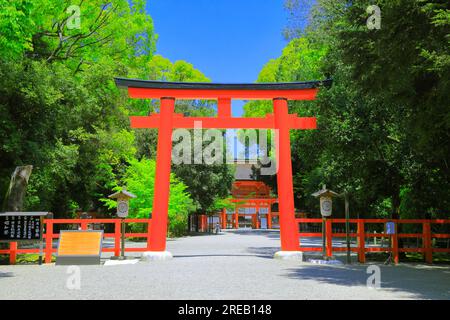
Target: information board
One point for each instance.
(21, 226)
(79, 247)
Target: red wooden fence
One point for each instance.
(83, 223)
(426, 235)
(427, 249)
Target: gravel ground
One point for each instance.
(232, 265)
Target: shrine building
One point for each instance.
(253, 203)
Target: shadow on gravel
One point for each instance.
(263, 252)
(423, 282)
(271, 234)
(197, 234)
(216, 255)
(260, 252)
(6, 275)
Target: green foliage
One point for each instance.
(139, 179)
(61, 110)
(206, 184)
(220, 203)
(65, 127)
(384, 125)
(23, 259)
(300, 61)
(16, 27)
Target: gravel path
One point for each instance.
(232, 265)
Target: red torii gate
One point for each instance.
(167, 120)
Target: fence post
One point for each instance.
(329, 236)
(362, 242)
(12, 252)
(84, 225)
(269, 219)
(395, 244)
(428, 251)
(149, 228)
(117, 236)
(48, 241)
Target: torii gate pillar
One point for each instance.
(288, 227)
(158, 230)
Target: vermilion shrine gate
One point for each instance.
(253, 196)
(167, 120)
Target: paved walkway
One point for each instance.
(233, 265)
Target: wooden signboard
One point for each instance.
(21, 226)
(79, 247)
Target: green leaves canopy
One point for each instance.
(139, 179)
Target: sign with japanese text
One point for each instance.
(21, 226)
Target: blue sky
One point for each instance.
(228, 40)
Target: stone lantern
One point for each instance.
(123, 197)
(326, 200)
(326, 208)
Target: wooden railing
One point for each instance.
(49, 235)
(361, 235)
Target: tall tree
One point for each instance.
(383, 126)
(61, 110)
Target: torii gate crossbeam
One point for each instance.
(167, 120)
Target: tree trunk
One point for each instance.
(16, 192)
(17, 189)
